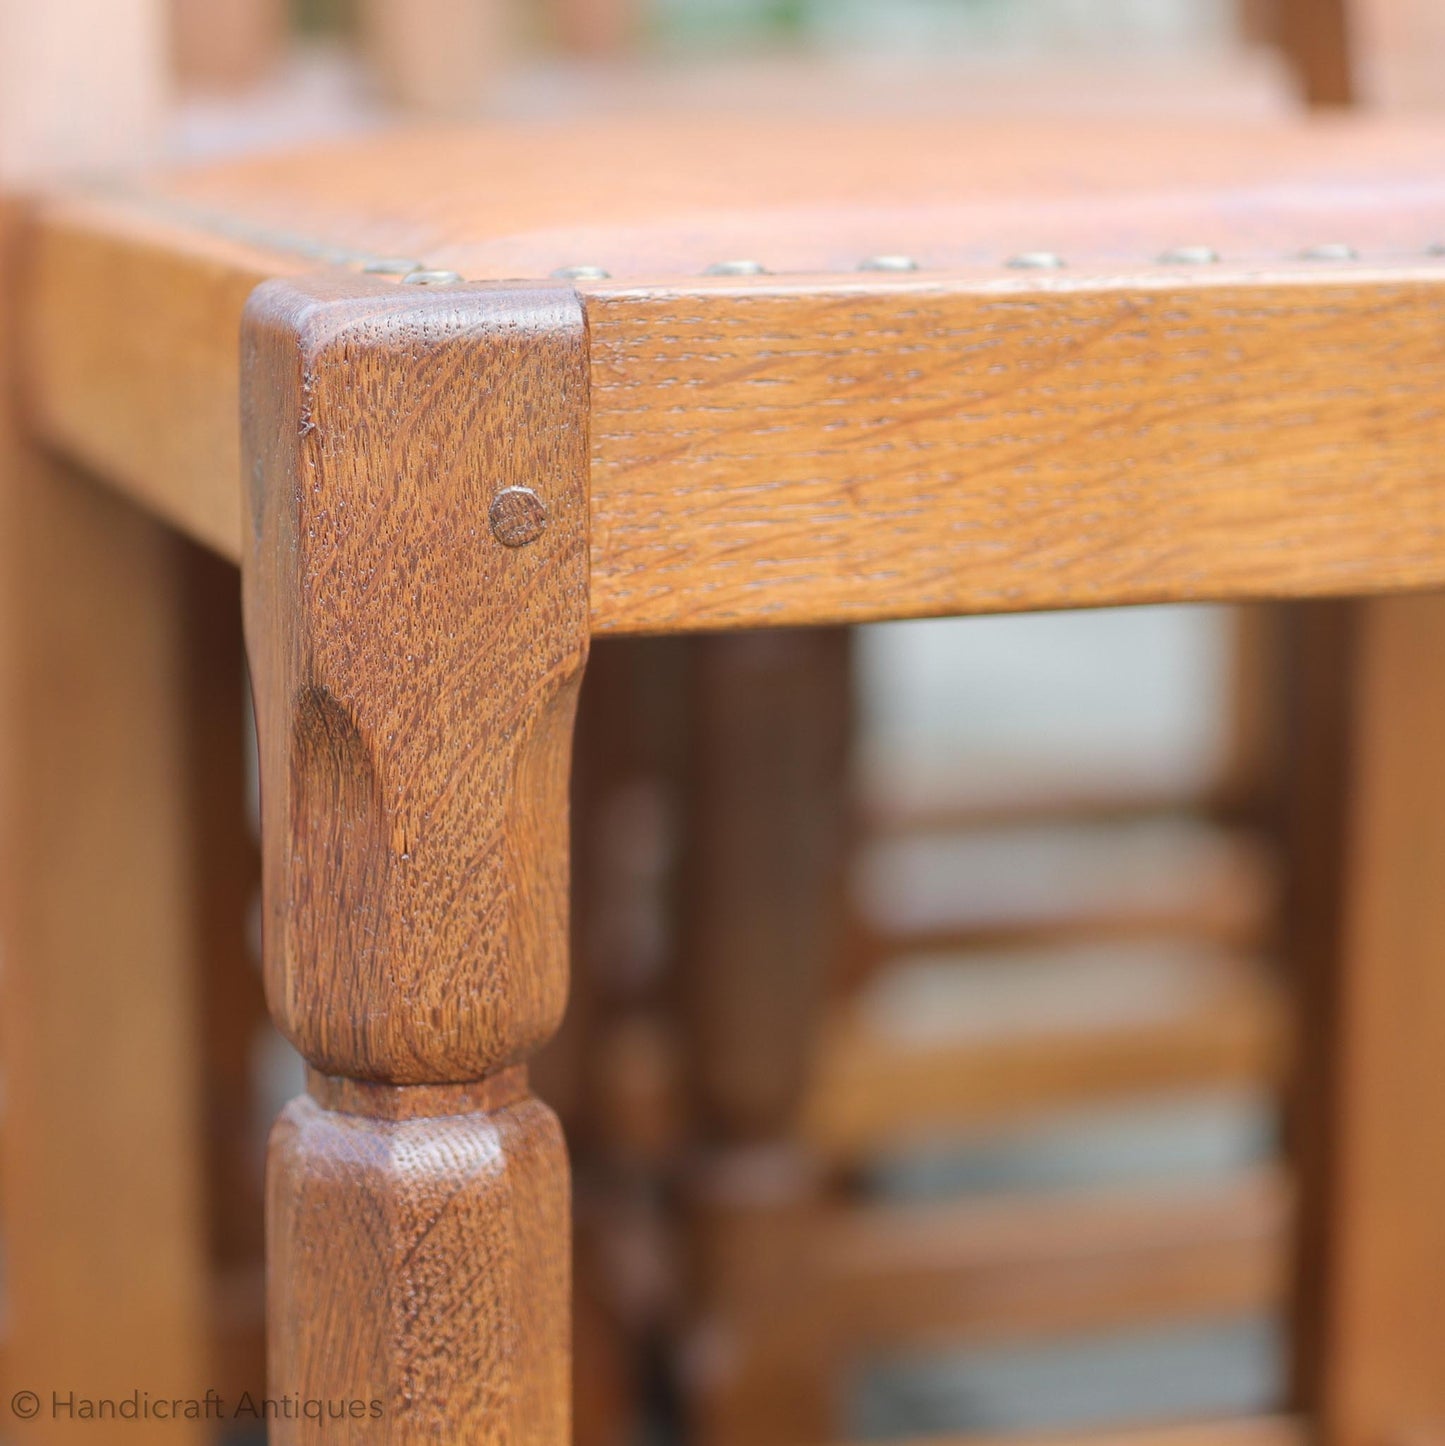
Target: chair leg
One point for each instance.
(106, 1272)
(1373, 1088)
(416, 616)
(764, 906)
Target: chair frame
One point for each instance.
(451, 487)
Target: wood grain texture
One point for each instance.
(838, 452)
(415, 679)
(1123, 432)
(419, 1276)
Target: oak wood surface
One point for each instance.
(1037, 881)
(415, 678)
(1320, 656)
(1119, 432)
(838, 453)
(104, 1234)
(1271, 429)
(798, 1292)
(660, 197)
(1015, 1269)
(424, 1294)
(416, 652)
(870, 1088)
(227, 871)
(103, 1199)
(102, 1192)
(765, 839)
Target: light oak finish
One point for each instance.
(1209, 884)
(971, 480)
(821, 446)
(763, 911)
(102, 1193)
(869, 1089)
(921, 450)
(1013, 1270)
(764, 827)
(415, 679)
(416, 917)
(424, 1271)
(103, 1225)
(795, 1291)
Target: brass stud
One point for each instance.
(517, 516)
(888, 263)
(736, 268)
(1330, 251)
(581, 273)
(1189, 256)
(1035, 261)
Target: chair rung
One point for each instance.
(872, 1089)
(1243, 1431)
(1017, 1268)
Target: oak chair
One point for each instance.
(447, 480)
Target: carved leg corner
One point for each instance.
(416, 601)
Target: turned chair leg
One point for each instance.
(416, 612)
(764, 906)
